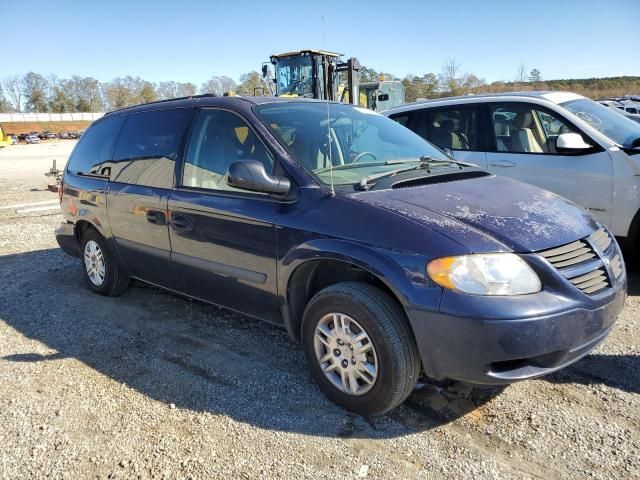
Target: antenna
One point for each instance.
(333, 191)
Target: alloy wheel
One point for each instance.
(94, 263)
(346, 354)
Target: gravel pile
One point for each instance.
(152, 385)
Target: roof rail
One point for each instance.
(202, 95)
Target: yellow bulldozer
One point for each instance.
(324, 75)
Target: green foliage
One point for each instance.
(535, 76)
(5, 105)
(35, 90)
(252, 84)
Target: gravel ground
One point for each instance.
(151, 385)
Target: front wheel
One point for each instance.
(360, 348)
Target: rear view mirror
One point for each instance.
(571, 143)
(383, 97)
(251, 175)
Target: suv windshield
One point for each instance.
(615, 126)
(294, 76)
(363, 143)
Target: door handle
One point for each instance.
(156, 217)
(502, 163)
(181, 222)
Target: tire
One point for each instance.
(393, 352)
(113, 281)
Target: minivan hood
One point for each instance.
(489, 213)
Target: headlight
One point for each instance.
(485, 274)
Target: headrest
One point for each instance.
(523, 120)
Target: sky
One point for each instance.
(191, 41)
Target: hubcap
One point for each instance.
(346, 354)
(94, 263)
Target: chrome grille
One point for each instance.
(591, 282)
(601, 239)
(616, 265)
(584, 262)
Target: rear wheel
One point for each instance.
(360, 348)
(102, 273)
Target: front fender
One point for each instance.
(370, 259)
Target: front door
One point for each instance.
(525, 135)
(223, 239)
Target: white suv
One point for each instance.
(559, 141)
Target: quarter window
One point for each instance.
(95, 148)
(148, 147)
(220, 138)
(523, 128)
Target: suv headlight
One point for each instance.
(485, 274)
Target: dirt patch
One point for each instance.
(55, 127)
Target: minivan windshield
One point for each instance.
(357, 142)
(621, 130)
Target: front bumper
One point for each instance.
(67, 239)
(486, 350)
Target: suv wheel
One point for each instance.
(102, 273)
(360, 348)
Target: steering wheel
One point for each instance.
(364, 154)
(295, 85)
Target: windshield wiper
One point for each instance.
(425, 162)
(347, 166)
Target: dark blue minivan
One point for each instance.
(385, 258)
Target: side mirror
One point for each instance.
(383, 97)
(265, 70)
(571, 143)
(251, 175)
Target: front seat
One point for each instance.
(522, 136)
(447, 137)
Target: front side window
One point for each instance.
(148, 147)
(220, 138)
(526, 128)
(455, 129)
(343, 143)
(94, 150)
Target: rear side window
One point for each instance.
(455, 129)
(95, 148)
(149, 146)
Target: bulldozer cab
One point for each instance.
(314, 74)
(302, 74)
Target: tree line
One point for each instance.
(34, 92)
